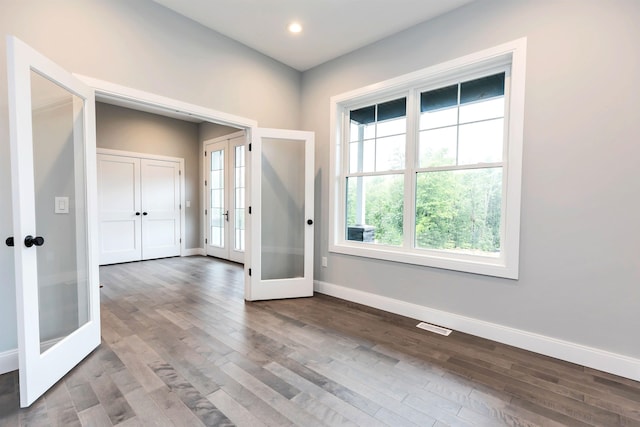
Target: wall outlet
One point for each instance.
(324, 261)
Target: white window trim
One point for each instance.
(508, 263)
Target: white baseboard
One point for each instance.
(194, 251)
(8, 361)
(602, 360)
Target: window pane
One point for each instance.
(438, 147)
(239, 156)
(217, 160)
(392, 127)
(439, 118)
(483, 88)
(392, 109)
(362, 156)
(439, 98)
(481, 142)
(217, 179)
(359, 131)
(363, 115)
(490, 109)
(459, 210)
(390, 153)
(216, 198)
(374, 209)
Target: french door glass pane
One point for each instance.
(459, 210)
(239, 169)
(282, 219)
(216, 205)
(374, 209)
(58, 156)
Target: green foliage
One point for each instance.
(455, 210)
(459, 210)
(384, 205)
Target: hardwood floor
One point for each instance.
(181, 347)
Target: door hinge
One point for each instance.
(205, 154)
(249, 146)
(205, 182)
(206, 241)
(180, 206)
(206, 212)
(249, 272)
(180, 173)
(249, 210)
(180, 240)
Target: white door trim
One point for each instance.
(180, 160)
(135, 99)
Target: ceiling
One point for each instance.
(331, 28)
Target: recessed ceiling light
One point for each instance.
(294, 27)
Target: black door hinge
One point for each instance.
(249, 146)
(249, 272)
(249, 210)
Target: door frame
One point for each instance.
(123, 153)
(205, 176)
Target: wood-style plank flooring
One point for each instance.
(182, 348)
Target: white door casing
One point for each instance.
(281, 215)
(53, 191)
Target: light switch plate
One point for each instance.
(62, 205)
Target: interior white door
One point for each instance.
(281, 215)
(54, 218)
(119, 211)
(160, 199)
(225, 198)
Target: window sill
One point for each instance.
(483, 265)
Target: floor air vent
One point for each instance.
(433, 328)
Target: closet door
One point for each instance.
(160, 201)
(119, 209)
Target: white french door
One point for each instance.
(53, 182)
(281, 215)
(225, 197)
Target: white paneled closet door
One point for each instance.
(160, 196)
(139, 203)
(119, 212)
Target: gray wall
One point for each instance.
(142, 45)
(212, 130)
(119, 128)
(580, 234)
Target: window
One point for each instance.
(427, 166)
